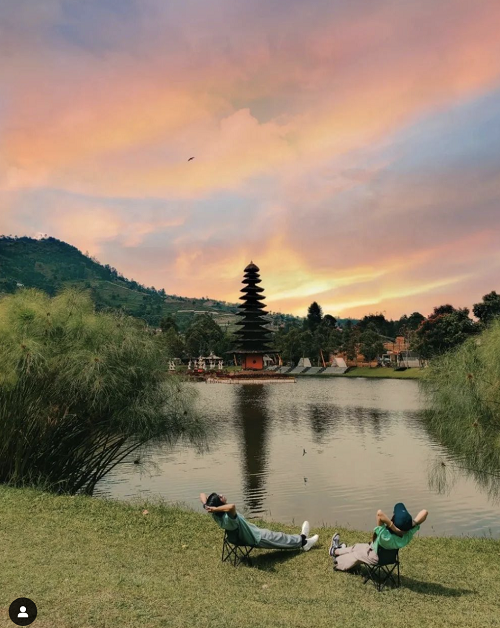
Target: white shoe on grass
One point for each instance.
(310, 542)
(305, 528)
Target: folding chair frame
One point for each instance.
(383, 573)
(235, 553)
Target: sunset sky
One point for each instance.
(350, 148)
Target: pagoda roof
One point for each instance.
(251, 289)
(253, 334)
(252, 281)
(239, 351)
(259, 331)
(251, 297)
(251, 300)
(254, 305)
(252, 311)
(252, 267)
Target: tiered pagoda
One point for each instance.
(253, 336)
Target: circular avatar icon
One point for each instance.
(23, 611)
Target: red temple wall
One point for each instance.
(253, 362)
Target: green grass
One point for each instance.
(90, 563)
(381, 373)
(385, 373)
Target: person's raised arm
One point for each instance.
(382, 519)
(229, 508)
(203, 499)
(421, 517)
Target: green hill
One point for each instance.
(50, 265)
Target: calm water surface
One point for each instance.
(331, 451)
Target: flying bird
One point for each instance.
(190, 158)
(304, 452)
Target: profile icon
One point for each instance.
(23, 611)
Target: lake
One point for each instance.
(331, 451)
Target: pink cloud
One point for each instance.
(294, 109)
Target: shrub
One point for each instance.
(463, 389)
(80, 391)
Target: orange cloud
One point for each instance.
(300, 124)
(103, 134)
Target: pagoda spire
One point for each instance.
(253, 337)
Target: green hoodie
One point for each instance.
(390, 541)
(248, 534)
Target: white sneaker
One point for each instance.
(310, 542)
(305, 528)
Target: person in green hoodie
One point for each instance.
(227, 518)
(391, 534)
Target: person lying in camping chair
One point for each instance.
(228, 519)
(390, 534)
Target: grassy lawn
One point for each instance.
(386, 373)
(381, 373)
(94, 564)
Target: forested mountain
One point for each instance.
(50, 264)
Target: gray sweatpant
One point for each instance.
(279, 540)
(349, 557)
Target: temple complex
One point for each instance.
(253, 336)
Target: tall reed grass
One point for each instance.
(463, 391)
(80, 391)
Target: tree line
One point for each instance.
(318, 335)
(445, 328)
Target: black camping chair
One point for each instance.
(233, 550)
(383, 573)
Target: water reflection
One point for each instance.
(321, 420)
(446, 470)
(325, 419)
(252, 423)
(366, 448)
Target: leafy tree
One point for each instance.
(174, 344)
(443, 330)
(488, 308)
(168, 322)
(314, 316)
(289, 344)
(443, 309)
(308, 344)
(334, 341)
(203, 336)
(350, 340)
(414, 320)
(371, 344)
(379, 323)
(323, 339)
(225, 344)
(329, 321)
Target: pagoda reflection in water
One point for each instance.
(253, 422)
